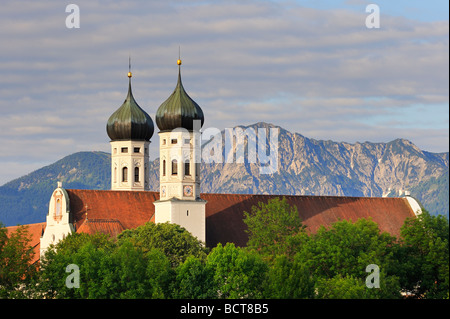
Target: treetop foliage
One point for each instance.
(281, 260)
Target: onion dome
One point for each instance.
(179, 110)
(130, 122)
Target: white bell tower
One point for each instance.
(130, 129)
(179, 119)
(129, 165)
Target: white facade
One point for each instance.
(414, 204)
(179, 155)
(58, 220)
(129, 165)
(180, 200)
(186, 213)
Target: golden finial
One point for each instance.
(129, 67)
(179, 56)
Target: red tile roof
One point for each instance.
(225, 212)
(131, 208)
(111, 227)
(112, 211)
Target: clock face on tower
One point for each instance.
(163, 191)
(187, 190)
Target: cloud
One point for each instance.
(319, 72)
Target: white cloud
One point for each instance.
(321, 73)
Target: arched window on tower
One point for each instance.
(174, 167)
(136, 174)
(164, 168)
(125, 174)
(187, 168)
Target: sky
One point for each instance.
(312, 67)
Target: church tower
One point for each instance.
(130, 129)
(179, 119)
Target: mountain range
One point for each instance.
(301, 166)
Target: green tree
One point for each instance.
(172, 239)
(237, 273)
(106, 269)
(130, 274)
(194, 280)
(425, 256)
(85, 251)
(16, 269)
(351, 287)
(345, 250)
(274, 228)
(288, 279)
(339, 287)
